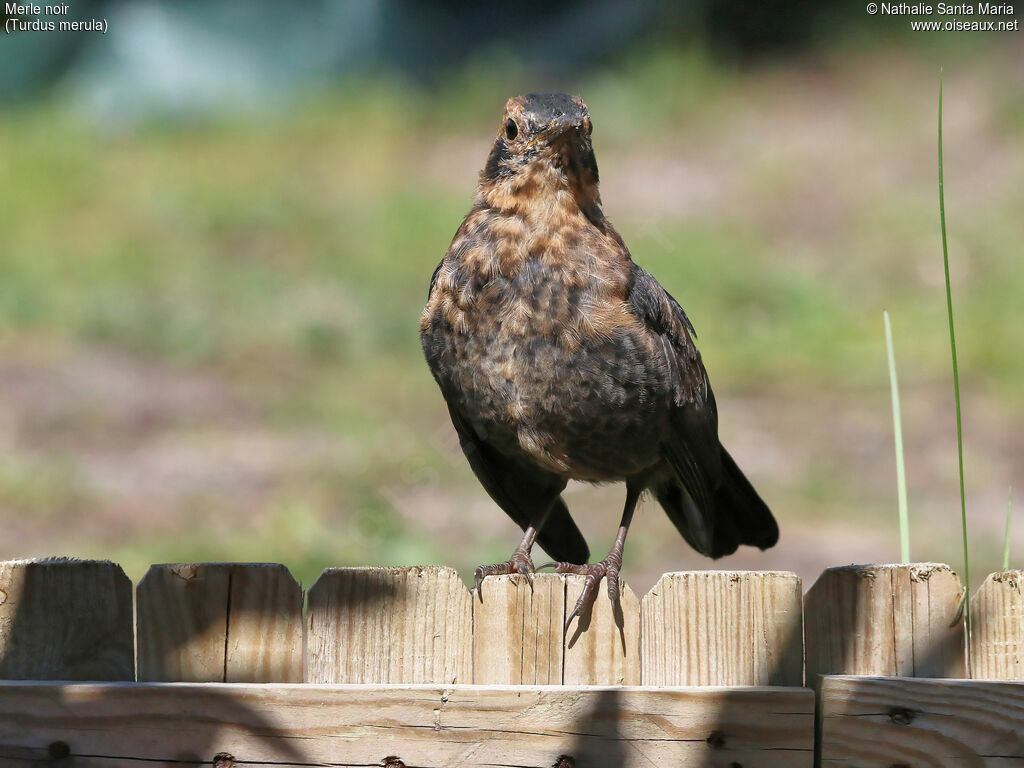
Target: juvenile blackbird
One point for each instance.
(561, 359)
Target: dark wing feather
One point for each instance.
(692, 446)
(523, 491)
(710, 501)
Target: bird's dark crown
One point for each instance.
(542, 109)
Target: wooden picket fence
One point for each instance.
(230, 664)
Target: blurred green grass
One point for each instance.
(286, 257)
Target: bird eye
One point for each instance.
(511, 129)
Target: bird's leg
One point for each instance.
(607, 568)
(520, 562)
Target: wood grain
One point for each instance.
(124, 726)
(598, 651)
(64, 619)
(219, 622)
(518, 630)
(885, 722)
(895, 620)
(264, 627)
(389, 625)
(997, 637)
(723, 628)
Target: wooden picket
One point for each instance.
(389, 625)
(723, 628)
(892, 620)
(406, 667)
(997, 634)
(900, 627)
(65, 619)
(219, 622)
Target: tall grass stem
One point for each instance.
(897, 429)
(1006, 533)
(956, 390)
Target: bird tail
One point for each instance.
(737, 515)
(561, 538)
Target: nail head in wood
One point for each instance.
(901, 715)
(58, 750)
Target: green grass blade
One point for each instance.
(956, 390)
(897, 429)
(1006, 533)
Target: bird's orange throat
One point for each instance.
(545, 193)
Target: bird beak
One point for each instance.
(554, 130)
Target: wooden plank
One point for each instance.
(389, 625)
(182, 622)
(598, 651)
(63, 619)
(219, 622)
(884, 620)
(518, 630)
(997, 635)
(127, 725)
(264, 627)
(885, 722)
(723, 628)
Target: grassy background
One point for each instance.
(208, 331)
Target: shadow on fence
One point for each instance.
(68, 620)
(597, 741)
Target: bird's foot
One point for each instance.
(520, 563)
(594, 572)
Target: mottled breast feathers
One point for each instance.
(556, 344)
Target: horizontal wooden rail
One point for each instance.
(127, 725)
(882, 722)
(864, 721)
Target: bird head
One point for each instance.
(544, 141)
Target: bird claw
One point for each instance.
(593, 573)
(519, 563)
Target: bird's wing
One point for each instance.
(691, 446)
(523, 491)
(664, 317)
